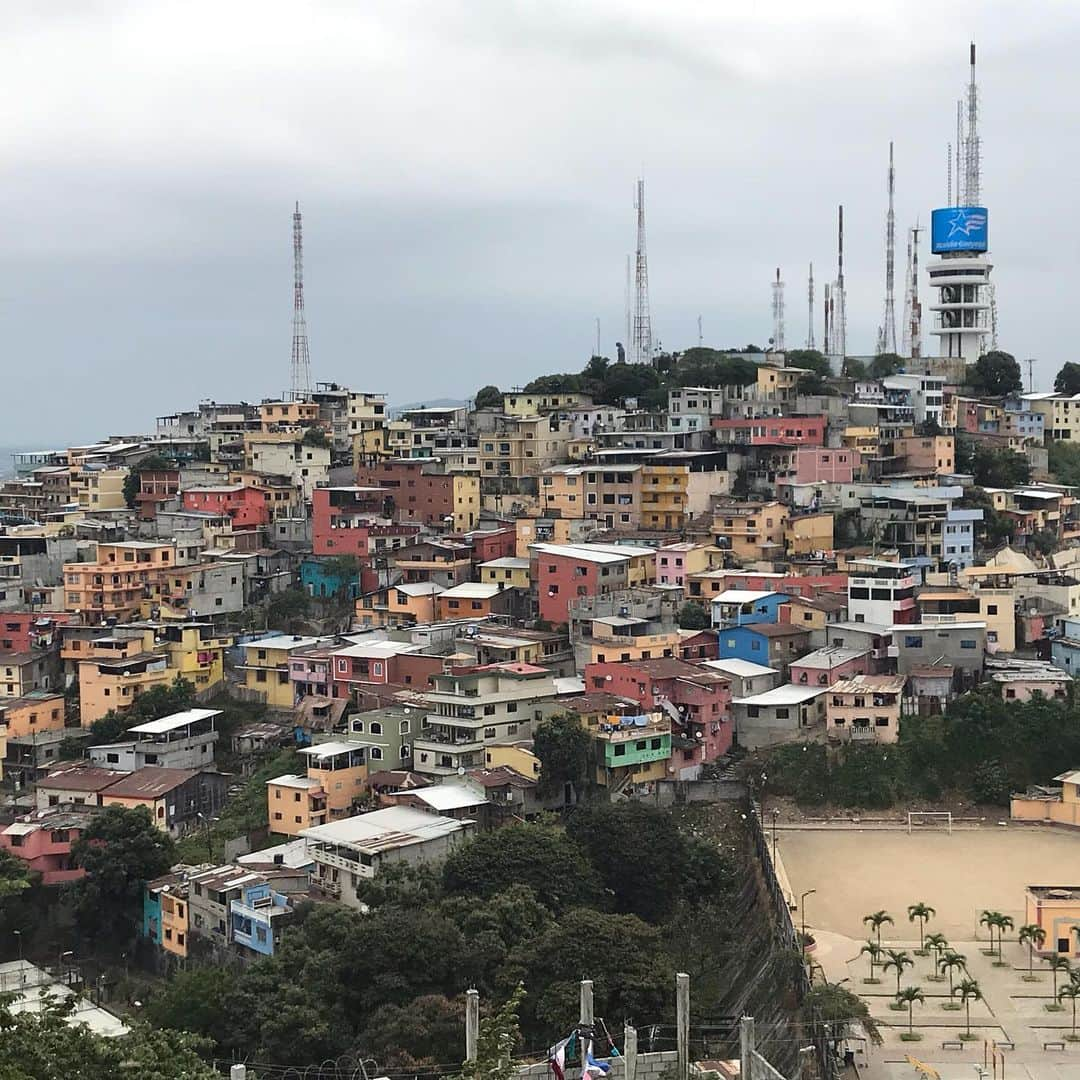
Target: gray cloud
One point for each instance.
(466, 172)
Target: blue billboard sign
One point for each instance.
(959, 228)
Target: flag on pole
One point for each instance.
(590, 1066)
(557, 1059)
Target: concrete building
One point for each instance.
(348, 851)
(174, 797)
(184, 740)
(865, 707)
(881, 592)
(779, 715)
(825, 666)
(746, 678)
(959, 645)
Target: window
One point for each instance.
(991, 609)
(375, 753)
(375, 727)
(912, 641)
(782, 714)
(489, 733)
(967, 643)
(403, 727)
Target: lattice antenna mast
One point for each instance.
(827, 343)
(301, 358)
(907, 292)
(887, 338)
(948, 169)
(642, 337)
(778, 313)
(916, 306)
(810, 344)
(840, 300)
(973, 148)
(629, 307)
(961, 146)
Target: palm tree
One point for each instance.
(924, 913)
(1033, 936)
(936, 944)
(899, 959)
(1058, 963)
(873, 950)
(910, 994)
(876, 920)
(989, 919)
(1071, 990)
(969, 992)
(1004, 922)
(950, 962)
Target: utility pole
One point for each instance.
(682, 1024)
(746, 1047)
(700, 337)
(472, 1023)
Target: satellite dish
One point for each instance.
(461, 770)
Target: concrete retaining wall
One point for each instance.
(649, 1067)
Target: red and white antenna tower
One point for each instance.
(301, 358)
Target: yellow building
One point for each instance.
(563, 490)
(195, 654)
(99, 489)
(341, 771)
(172, 894)
(1061, 414)
(609, 641)
(282, 415)
(294, 803)
(114, 683)
(751, 530)
(664, 499)
(1061, 809)
(514, 756)
(865, 708)
(266, 667)
(555, 530)
(116, 585)
(511, 572)
(778, 383)
(521, 403)
(367, 426)
(806, 533)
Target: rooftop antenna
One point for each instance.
(1030, 361)
(301, 358)
(641, 339)
(840, 299)
(908, 298)
(827, 343)
(810, 310)
(700, 337)
(887, 334)
(778, 313)
(973, 150)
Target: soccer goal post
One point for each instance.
(934, 819)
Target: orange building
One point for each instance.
(116, 585)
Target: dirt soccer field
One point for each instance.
(855, 872)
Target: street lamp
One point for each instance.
(18, 934)
(802, 909)
(775, 815)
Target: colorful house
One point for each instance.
(865, 707)
(741, 607)
(266, 667)
(823, 667)
(43, 841)
(774, 645)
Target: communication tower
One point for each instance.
(301, 358)
(778, 313)
(810, 310)
(887, 332)
(839, 310)
(641, 339)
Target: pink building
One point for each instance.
(823, 465)
(671, 564)
(43, 841)
(772, 430)
(246, 506)
(825, 666)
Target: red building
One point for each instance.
(360, 669)
(156, 487)
(698, 700)
(43, 841)
(25, 631)
(496, 544)
(563, 573)
(246, 506)
(772, 430)
(418, 494)
(350, 521)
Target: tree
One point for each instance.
(151, 705)
(288, 608)
(874, 952)
(42, 1043)
(563, 747)
(1033, 936)
(885, 364)
(425, 1032)
(836, 1006)
(193, 1000)
(950, 963)
(992, 467)
(540, 856)
(14, 875)
(998, 374)
(1057, 964)
(898, 959)
(876, 920)
(924, 913)
(811, 359)
(132, 482)
(120, 850)
(693, 615)
(937, 944)
(316, 436)
(1064, 461)
(499, 1037)
(1070, 990)
(1067, 380)
(1004, 923)
(908, 996)
(969, 992)
(854, 368)
(679, 868)
(488, 397)
(989, 919)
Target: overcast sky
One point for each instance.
(466, 173)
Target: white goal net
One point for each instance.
(929, 819)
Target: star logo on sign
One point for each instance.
(964, 222)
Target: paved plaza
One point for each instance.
(854, 872)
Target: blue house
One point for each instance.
(1065, 648)
(319, 579)
(741, 607)
(258, 917)
(773, 645)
